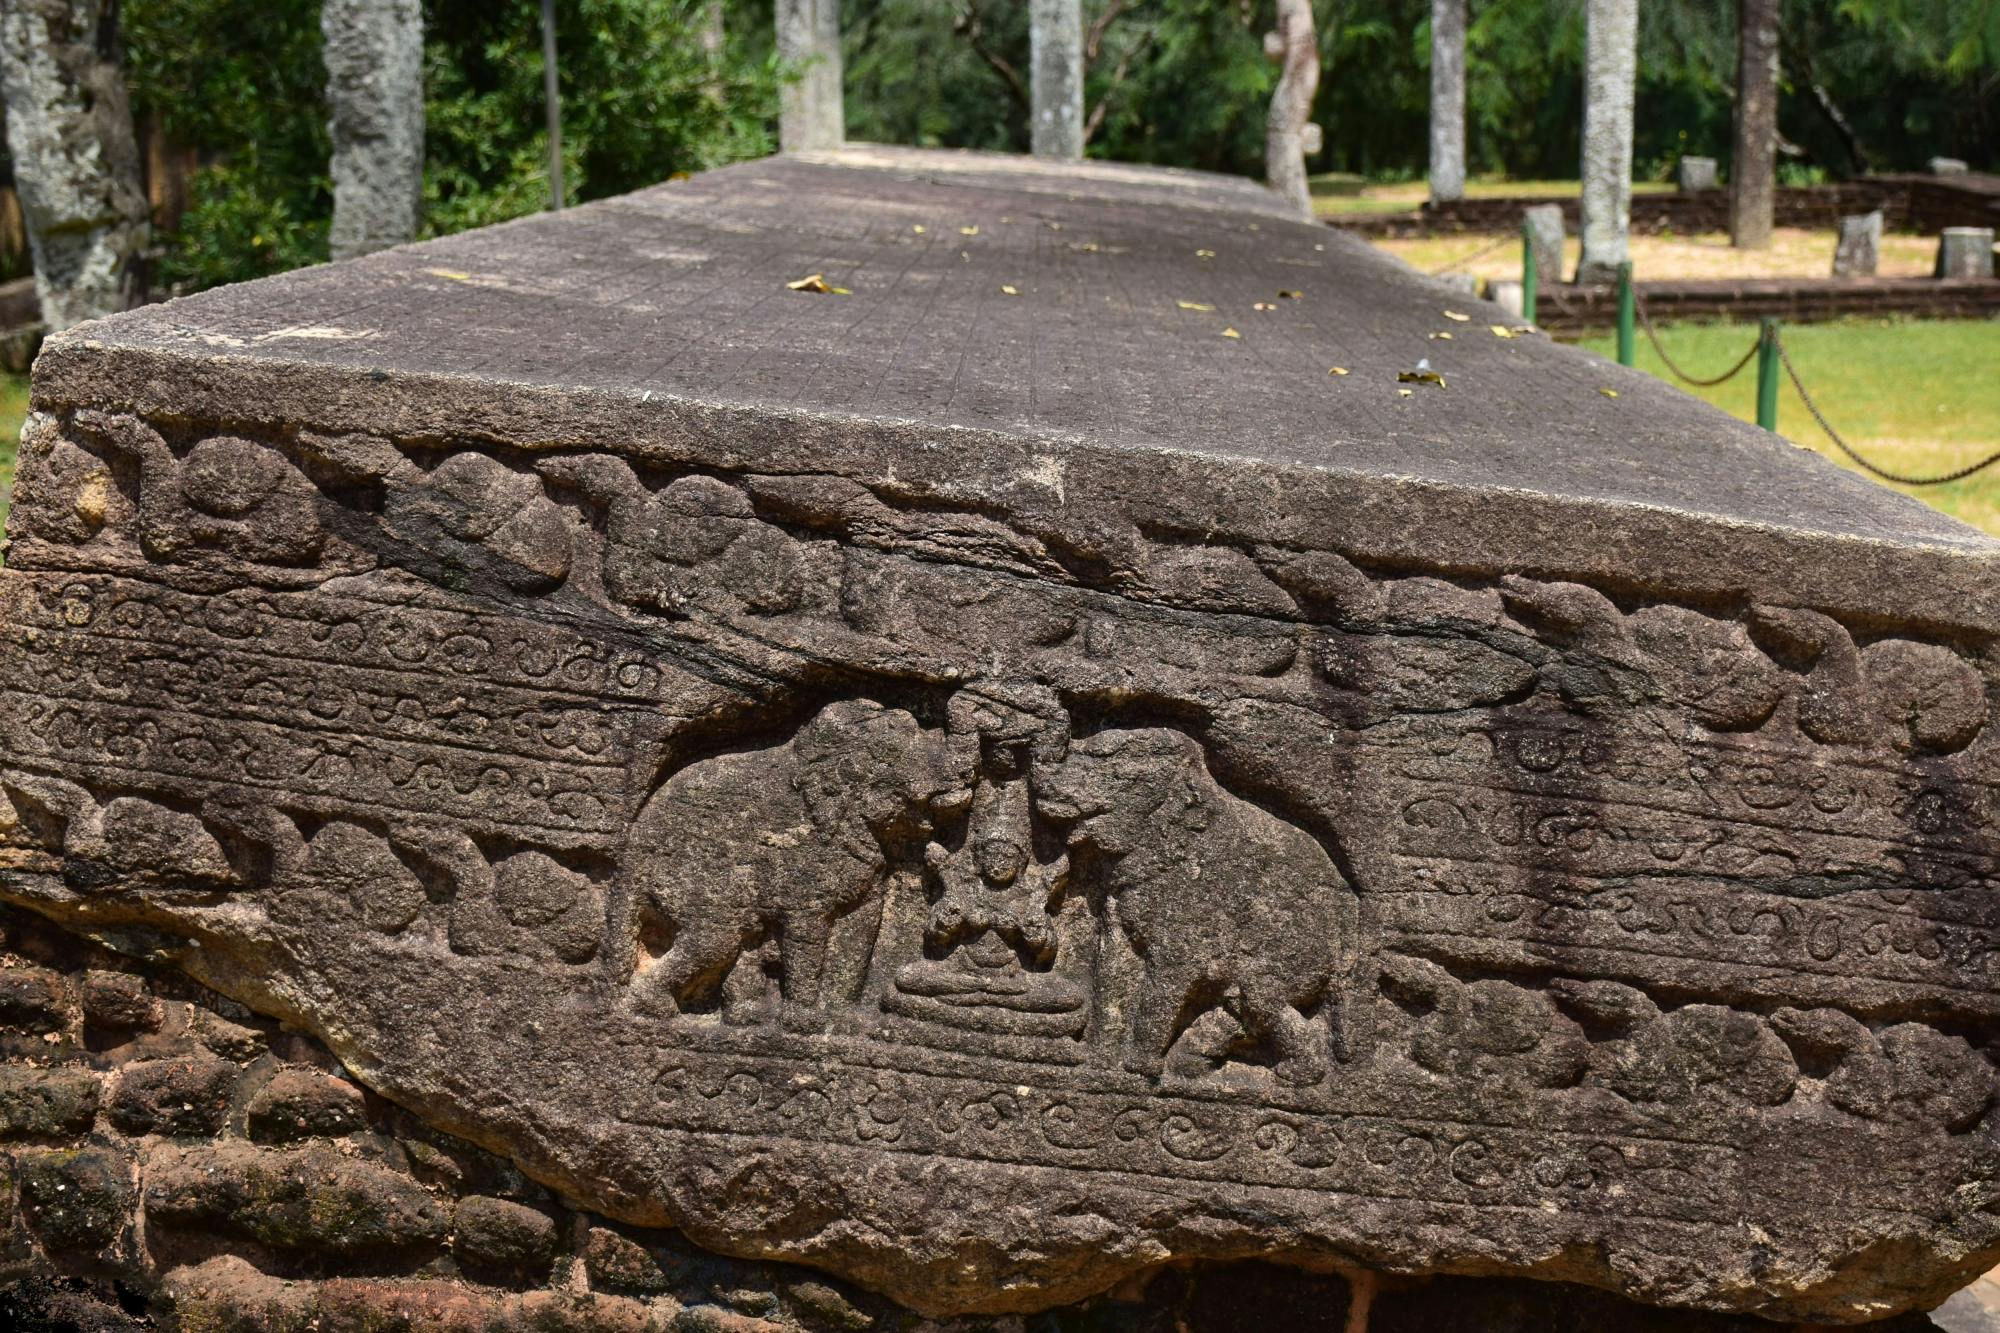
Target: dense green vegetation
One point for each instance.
(1172, 81)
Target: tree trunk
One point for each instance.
(1753, 173)
(76, 159)
(1610, 69)
(375, 91)
(1447, 100)
(1055, 77)
(713, 41)
(811, 113)
(1297, 51)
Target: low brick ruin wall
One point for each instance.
(1924, 204)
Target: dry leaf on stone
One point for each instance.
(451, 273)
(1453, 314)
(816, 282)
(1204, 254)
(1194, 305)
(1290, 295)
(1009, 289)
(1609, 393)
(1231, 333)
(968, 231)
(1338, 370)
(1085, 247)
(918, 228)
(1502, 331)
(1263, 305)
(1440, 337)
(1404, 393)
(1423, 374)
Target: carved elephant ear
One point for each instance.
(1926, 696)
(1709, 667)
(477, 501)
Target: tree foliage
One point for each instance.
(1882, 83)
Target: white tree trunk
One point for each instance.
(1611, 67)
(1447, 100)
(1055, 65)
(375, 90)
(1753, 174)
(1297, 50)
(76, 161)
(811, 113)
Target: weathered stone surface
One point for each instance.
(1611, 55)
(1859, 249)
(304, 1104)
(1696, 173)
(46, 1103)
(1965, 252)
(1543, 227)
(502, 1240)
(992, 797)
(183, 1096)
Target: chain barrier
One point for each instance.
(1785, 358)
(1476, 255)
(1653, 337)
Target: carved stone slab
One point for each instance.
(988, 785)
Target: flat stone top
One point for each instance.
(1129, 309)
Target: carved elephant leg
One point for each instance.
(802, 948)
(1162, 998)
(700, 958)
(1298, 1048)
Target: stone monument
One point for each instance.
(884, 710)
(1965, 252)
(1696, 173)
(1858, 252)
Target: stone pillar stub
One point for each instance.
(1695, 174)
(1055, 78)
(1546, 230)
(1447, 166)
(1859, 249)
(983, 790)
(374, 52)
(1965, 252)
(1610, 69)
(811, 110)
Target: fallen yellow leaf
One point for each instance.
(918, 228)
(1231, 333)
(1194, 305)
(1085, 247)
(1263, 305)
(1338, 370)
(451, 273)
(1204, 254)
(968, 231)
(1609, 393)
(1404, 393)
(1420, 377)
(1502, 331)
(1453, 314)
(1055, 226)
(1290, 295)
(1440, 337)
(1010, 289)
(816, 282)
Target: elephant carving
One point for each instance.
(780, 842)
(1227, 905)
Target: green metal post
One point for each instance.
(1767, 376)
(1529, 276)
(1626, 313)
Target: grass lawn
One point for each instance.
(13, 408)
(1918, 397)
